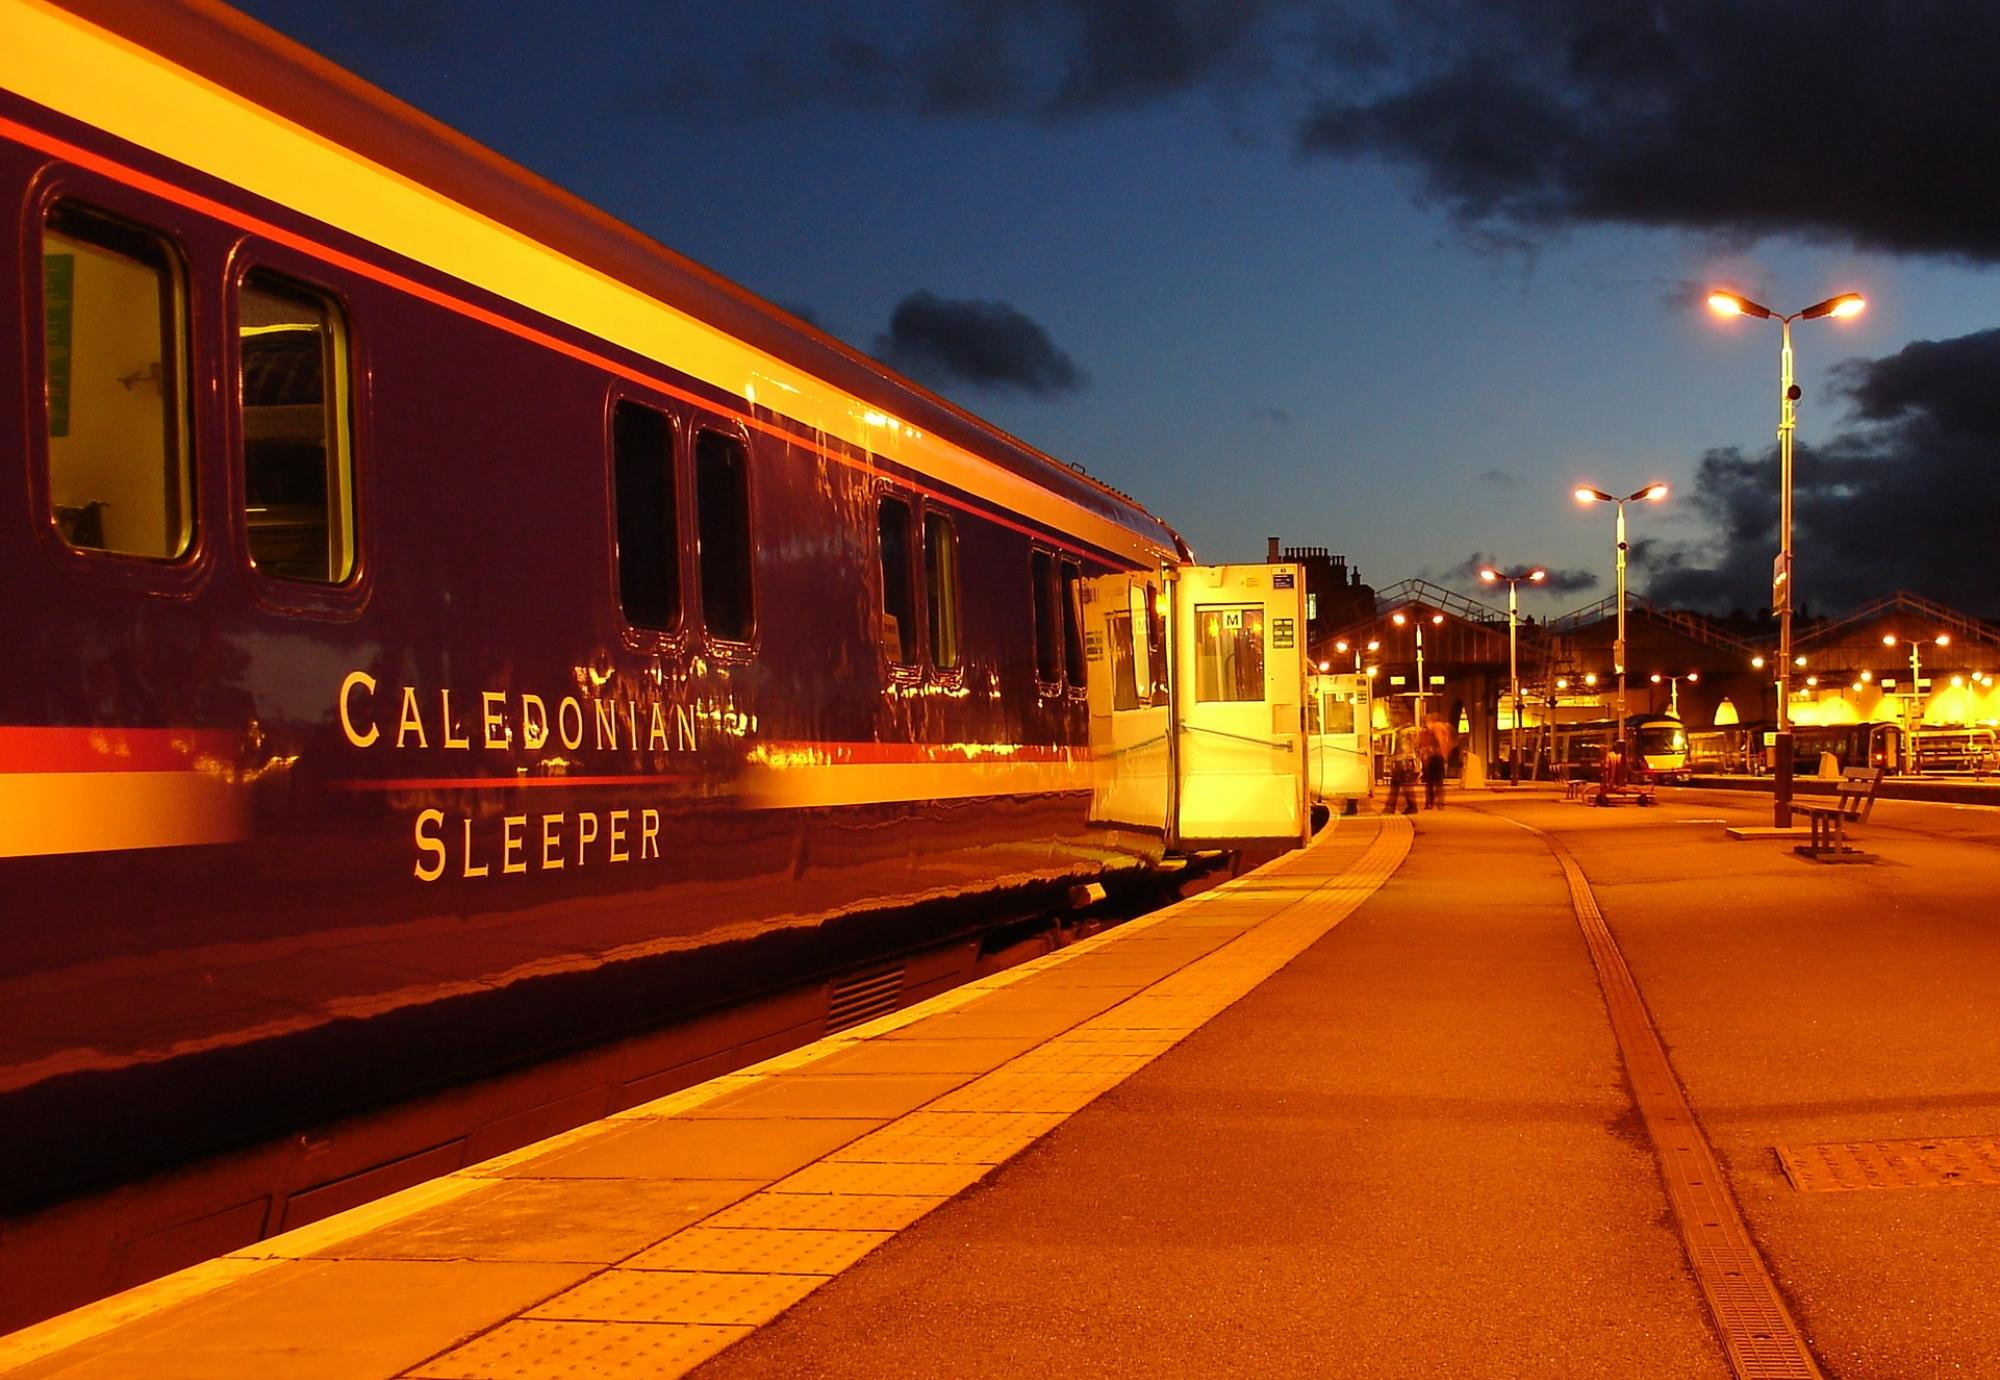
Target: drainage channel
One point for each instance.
(1762, 1340)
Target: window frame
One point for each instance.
(953, 674)
(1039, 609)
(178, 576)
(728, 649)
(637, 636)
(1070, 589)
(278, 593)
(916, 638)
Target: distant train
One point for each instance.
(1744, 749)
(1659, 747)
(446, 628)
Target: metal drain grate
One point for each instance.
(1940, 1162)
(860, 997)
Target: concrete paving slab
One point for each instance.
(926, 1056)
(588, 1220)
(757, 1148)
(863, 1096)
(679, 1296)
(318, 1320)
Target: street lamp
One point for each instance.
(1400, 619)
(1652, 493)
(1733, 304)
(1343, 646)
(1674, 688)
(1916, 692)
(1534, 575)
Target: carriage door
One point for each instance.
(1238, 701)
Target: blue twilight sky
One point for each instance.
(1389, 278)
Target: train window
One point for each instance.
(1156, 645)
(1072, 623)
(1124, 665)
(1229, 652)
(722, 512)
(941, 588)
(899, 595)
(642, 463)
(1048, 618)
(113, 323)
(298, 486)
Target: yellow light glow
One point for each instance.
(1398, 619)
(1656, 492)
(1867, 676)
(1590, 679)
(1693, 676)
(1725, 304)
(1585, 496)
(1888, 639)
(1852, 305)
(1944, 639)
(1656, 677)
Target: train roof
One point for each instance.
(227, 49)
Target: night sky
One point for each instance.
(1390, 279)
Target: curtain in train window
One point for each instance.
(1156, 644)
(642, 474)
(116, 382)
(1124, 665)
(941, 588)
(1048, 618)
(899, 595)
(298, 488)
(1229, 652)
(1072, 623)
(722, 501)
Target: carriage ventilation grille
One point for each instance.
(862, 997)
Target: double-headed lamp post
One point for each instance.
(1916, 696)
(1533, 575)
(1674, 689)
(1733, 304)
(1652, 493)
(1399, 618)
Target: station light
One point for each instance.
(1757, 662)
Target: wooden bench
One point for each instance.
(1852, 802)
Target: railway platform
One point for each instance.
(1515, 1088)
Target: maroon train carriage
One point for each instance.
(445, 629)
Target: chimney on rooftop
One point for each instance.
(1272, 554)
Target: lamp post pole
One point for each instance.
(1513, 578)
(1914, 716)
(1733, 304)
(1652, 493)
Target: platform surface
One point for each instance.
(1359, 1113)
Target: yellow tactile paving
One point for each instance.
(534, 1350)
(717, 1207)
(835, 1176)
(760, 1250)
(889, 1212)
(679, 1296)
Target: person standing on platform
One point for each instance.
(1403, 773)
(1437, 752)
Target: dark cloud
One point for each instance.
(1843, 120)
(985, 344)
(1046, 59)
(1465, 576)
(1902, 498)
(1499, 479)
